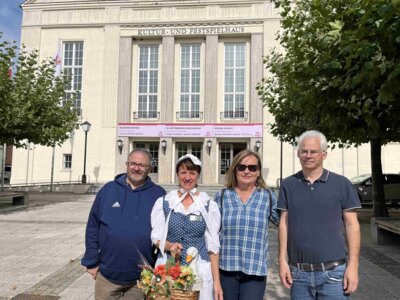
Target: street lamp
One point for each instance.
(120, 145)
(258, 145)
(209, 145)
(86, 127)
(164, 145)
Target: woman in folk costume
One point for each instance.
(187, 218)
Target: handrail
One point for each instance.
(42, 183)
(226, 115)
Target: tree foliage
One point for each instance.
(339, 72)
(31, 100)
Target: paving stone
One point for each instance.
(85, 281)
(381, 260)
(58, 281)
(45, 239)
(9, 290)
(34, 297)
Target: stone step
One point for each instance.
(209, 189)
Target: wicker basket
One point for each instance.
(184, 295)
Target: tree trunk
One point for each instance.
(378, 193)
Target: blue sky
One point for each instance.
(10, 19)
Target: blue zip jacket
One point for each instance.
(119, 227)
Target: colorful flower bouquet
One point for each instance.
(161, 281)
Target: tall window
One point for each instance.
(72, 66)
(190, 81)
(148, 81)
(67, 161)
(234, 88)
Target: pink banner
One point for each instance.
(190, 130)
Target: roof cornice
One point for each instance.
(54, 4)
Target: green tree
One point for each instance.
(32, 105)
(339, 72)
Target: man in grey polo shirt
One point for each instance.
(318, 220)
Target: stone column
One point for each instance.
(211, 80)
(167, 74)
(165, 162)
(166, 106)
(256, 74)
(124, 110)
(210, 162)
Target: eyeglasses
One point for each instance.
(133, 164)
(251, 168)
(304, 152)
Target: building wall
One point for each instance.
(112, 33)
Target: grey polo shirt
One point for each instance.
(315, 216)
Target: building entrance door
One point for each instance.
(188, 148)
(153, 149)
(226, 153)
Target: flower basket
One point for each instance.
(168, 282)
(184, 295)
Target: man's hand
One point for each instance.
(350, 280)
(93, 272)
(284, 274)
(353, 238)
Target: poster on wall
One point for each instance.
(251, 130)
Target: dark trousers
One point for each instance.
(240, 286)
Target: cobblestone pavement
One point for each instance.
(41, 247)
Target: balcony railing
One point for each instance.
(192, 115)
(242, 115)
(155, 115)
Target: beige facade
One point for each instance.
(175, 73)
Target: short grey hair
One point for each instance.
(141, 150)
(313, 134)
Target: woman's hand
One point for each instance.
(218, 293)
(175, 249)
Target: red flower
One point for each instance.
(174, 272)
(160, 270)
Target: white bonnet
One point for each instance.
(193, 158)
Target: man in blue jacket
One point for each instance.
(118, 230)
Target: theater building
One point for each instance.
(173, 77)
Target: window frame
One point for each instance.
(236, 108)
(65, 162)
(148, 112)
(75, 70)
(191, 87)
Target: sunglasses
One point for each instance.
(252, 168)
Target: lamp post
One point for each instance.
(258, 145)
(209, 145)
(164, 145)
(120, 145)
(86, 127)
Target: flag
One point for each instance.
(57, 61)
(9, 72)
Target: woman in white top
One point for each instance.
(187, 218)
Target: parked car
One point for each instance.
(391, 184)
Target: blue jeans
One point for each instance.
(240, 286)
(321, 285)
